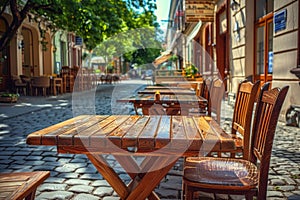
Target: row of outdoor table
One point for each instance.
(170, 100)
(159, 139)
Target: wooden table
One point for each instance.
(169, 101)
(160, 87)
(169, 91)
(160, 139)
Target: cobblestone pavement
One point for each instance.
(74, 177)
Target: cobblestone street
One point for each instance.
(74, 177)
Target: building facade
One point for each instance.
(36, 50)
(243, 39)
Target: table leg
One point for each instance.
(149, 174)
(109, 175)
(130, 166)
(152, 178)
(145, 177)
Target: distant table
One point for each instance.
(181, 91)
(162, 87)
(170, 104)
(161, 140)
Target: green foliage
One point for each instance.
(173, 58)
(139, 46)
(191, 70)
(93, 20)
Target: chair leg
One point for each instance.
(188, 193)
(249, 197)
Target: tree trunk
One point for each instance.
(18, 18)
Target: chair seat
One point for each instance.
(225, 172)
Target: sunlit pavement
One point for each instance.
(74, 177)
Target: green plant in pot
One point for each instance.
(191, 71)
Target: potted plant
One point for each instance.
(191, 71)
(9, 97)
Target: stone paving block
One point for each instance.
(91, 176)
(52, 187)
(111, 198)
(64, 169)
(81, 189)
(57, 195)
(85, 197)
(54, 180)
(77, 182)
(86, 170)
(50, 159)
(75, 165)
(68, 175)
(102, 183)
(103, 191)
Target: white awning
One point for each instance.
(162, 58)
(194, 32)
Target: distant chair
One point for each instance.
(19, 85)
(234, 176)
(40, 83)
(215, 96)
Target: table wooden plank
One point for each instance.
(47, 136)
(146, 139)
(67, 137)
(179, 139)
(116, 135)
(163, 132)
(211, 138)
(87, 129)
(104, 129)
(131, 137)
(192, 133)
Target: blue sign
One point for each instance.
(280, 20)
(270, 67)
(78, 41)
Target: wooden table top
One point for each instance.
(159, 87)
(169, 91)
(121, 134)
(164, 99)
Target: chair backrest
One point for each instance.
(264, 125)
(205, 92)
(215, 98)
(243, 112)
(65, 70)
(41, 81)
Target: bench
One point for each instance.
(20, 185)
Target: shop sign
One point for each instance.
(78, 41)
(280, 20)
(199, 10)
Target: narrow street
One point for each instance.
(74, 177)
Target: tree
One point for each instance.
(93, 20)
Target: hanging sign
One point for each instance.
(199, 10)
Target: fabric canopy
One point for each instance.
(162, 58)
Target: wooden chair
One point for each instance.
(19, 85)
(215, 97)
(21, 185)
(68, 78)
(242, 116)
(240, 176)
(40, 83)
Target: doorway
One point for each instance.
(5, 83)
(263, 69)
